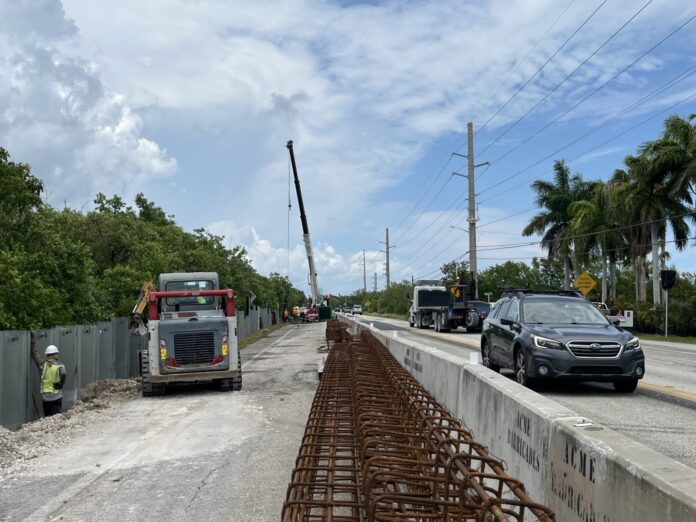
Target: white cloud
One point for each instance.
(363, 90)
(57, 115)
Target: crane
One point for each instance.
(313, 283)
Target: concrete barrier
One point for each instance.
(582, 470)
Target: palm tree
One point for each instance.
(554, 223)
(594, 220)
(648, 201)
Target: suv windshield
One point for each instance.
(562, 312)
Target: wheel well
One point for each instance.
(516, 348)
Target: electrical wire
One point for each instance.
(586, 152)
(524, 58)
(591, 94)
(538, 242)
(567, 77)
(538, 71)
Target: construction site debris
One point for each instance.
(48, 434)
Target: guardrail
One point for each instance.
(580, 469)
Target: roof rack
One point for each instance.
(525, 291)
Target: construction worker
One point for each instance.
(53, 377)
(285, 315)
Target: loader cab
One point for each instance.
(189, 282)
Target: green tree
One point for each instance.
(554, 222)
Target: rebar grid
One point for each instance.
(379, 447)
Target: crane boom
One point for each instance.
(313, 283)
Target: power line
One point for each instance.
(687, 73)
(591, 149)
(591, 94)
(542, 67)
(424, 193)
(575, 236)
(531, 50)
(564, 80)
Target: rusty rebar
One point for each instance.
(379, 447)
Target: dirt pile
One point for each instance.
(48, 434)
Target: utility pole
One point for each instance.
(472, 209)
(473, 268)
(386, 266)
(375, 287)
(364, 273)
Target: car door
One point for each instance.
(508, 332)
(495, 337)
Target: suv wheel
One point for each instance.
(521, 369)
(626, 386)
(486, 357)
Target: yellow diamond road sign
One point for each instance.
(585, 283)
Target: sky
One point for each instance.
(192, 103)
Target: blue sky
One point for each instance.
(192, 104)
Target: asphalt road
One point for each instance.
(194, 454)
(661, 413)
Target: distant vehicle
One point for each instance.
(444, 310)
(347, 309)
(193, 333)
(602, 307)
(357, 309)
(560, 335)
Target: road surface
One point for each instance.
(660, 414)
(194, 454)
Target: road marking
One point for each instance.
(667, 390)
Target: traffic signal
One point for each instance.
(668, 278)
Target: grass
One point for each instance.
(671, 338)
(251, 339)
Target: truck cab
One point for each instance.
(193, 334)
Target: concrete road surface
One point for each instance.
(194, 454)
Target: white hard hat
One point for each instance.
(51, 349)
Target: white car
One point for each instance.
(357, 309)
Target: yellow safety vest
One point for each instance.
(50, 375)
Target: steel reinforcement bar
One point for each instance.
(379, 447)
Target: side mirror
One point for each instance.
(615, 322)
(506, 321)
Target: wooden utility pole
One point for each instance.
(375, 286)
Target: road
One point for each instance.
(194, 454)
(661, 414)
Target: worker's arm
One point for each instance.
(63, 375)
(35, 354)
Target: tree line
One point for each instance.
(65, 266)
(623, 220)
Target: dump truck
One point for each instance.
(192, 328)
(444, 309)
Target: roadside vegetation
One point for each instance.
(65, 266)
(615, 229)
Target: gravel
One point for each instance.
(48, 434)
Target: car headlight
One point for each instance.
(633, 344)
(543, 342)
